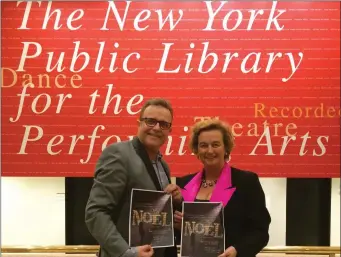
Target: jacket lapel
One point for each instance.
(222, 192)
(141, 151)
(166, 169)
(190, 191)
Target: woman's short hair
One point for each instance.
(208, 125)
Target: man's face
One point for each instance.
(151, 133)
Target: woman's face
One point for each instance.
(211, 149)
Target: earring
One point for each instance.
(229, 159)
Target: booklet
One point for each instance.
(151, 219)
(202, 232)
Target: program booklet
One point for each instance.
(203, 231)
(151, 219)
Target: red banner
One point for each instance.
(75, 75)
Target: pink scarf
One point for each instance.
(222, 192)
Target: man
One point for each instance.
(126, 165)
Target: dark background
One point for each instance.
(307, 211)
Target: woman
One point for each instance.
(246, 218)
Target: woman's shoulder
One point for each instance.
(243, 177)
(243, 173)
(239, 177)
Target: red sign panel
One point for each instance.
(75, 75)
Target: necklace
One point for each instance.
(210, 183)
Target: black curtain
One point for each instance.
(76, 196)
(308, 211)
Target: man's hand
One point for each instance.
(229, 252)
(175, 191)
(178, 220)
(145, 251)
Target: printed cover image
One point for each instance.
(151, 219)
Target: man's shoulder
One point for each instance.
(122, 146)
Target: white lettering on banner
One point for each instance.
(133, 101)
(247, 65)
(272, 19)
(321, 145)
(267, 143)
(82, 58)
(27, 12)
(208, 60)
(142, 20)
(142, 16)
(48, 100)
(145, 14)
(183, 139)
(176, 56)
(59, 144)
(286, 139)
(49, 16)
(74, 140)
(33, 133)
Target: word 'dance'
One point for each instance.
(206, 229)
(155, 218)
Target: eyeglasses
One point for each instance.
(150, 122)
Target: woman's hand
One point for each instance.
(178, 220)
(229, 252)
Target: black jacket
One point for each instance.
(246, 218)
